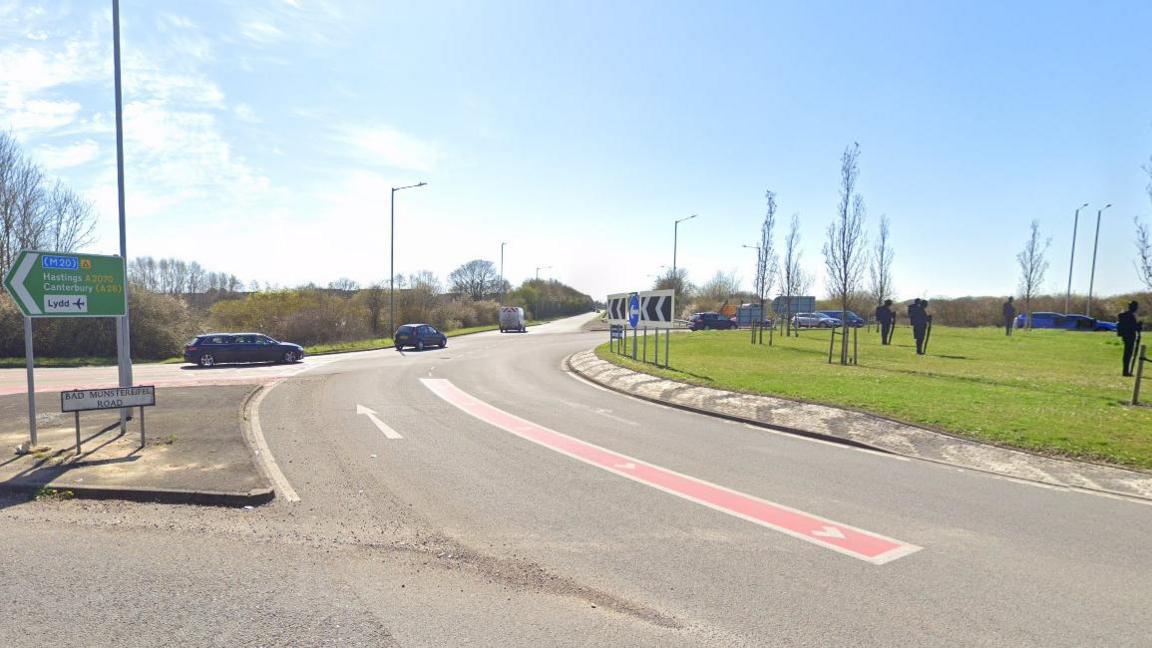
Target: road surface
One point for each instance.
(480, 495)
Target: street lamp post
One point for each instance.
(502, 244)
(392, 259)
(675, 241)
(1071, 258)
(123, 326)
(1092, 277)
(539, 268)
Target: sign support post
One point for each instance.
(29, 363)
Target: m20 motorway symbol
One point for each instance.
(63, 284)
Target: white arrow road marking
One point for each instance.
(388, 432)
(829, 532)
(18, 283)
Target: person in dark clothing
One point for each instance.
(884, 316)
(1127, 327)
(918, 318)
(1009, 316)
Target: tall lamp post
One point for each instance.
(392, 259)
(675, 242)
(1092, 277)
(539, 268)
(502, 244)
(123, 326)
(1071, 258)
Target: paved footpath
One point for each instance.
(194, 451)
(835, 424)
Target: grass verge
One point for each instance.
(1056, 392)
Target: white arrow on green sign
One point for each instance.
(65, 284)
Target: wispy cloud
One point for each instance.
(261, 32)
(385, 146)
(68, 155)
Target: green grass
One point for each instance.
(1056, 392)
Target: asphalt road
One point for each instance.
(460, 532)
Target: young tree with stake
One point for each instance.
(844, 251)
(1033, 265)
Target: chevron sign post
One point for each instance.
(640, 311)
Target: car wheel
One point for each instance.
(444, 343)
(289, 357)
(399, 347)
(206, 360)
(420, 345)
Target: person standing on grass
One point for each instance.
(1009, 316)
(918, 318)
(884, 316)
(1127, 327)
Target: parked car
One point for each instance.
(420, 336)
(814, 320)
(216, 348)
(512, 319)
(853, 318)
(710, 320)
(1046, 320)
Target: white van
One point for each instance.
(512, 319)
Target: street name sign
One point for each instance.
(83, 400)
(65, 284)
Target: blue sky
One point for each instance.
(262, 136)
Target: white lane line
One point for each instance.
(602, 411)
(380, 425)
(263, 452)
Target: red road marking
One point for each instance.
(826, 533)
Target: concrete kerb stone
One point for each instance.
(863, 430)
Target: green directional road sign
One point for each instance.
(65, 284)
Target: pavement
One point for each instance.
(194, 451)
(866, 430)
(492, 497)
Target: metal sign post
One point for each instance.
(63, 284)
(121, 398)
(31, 382)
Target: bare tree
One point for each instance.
(1144, 253)
(678, 282)
(880, 270)
(1144, 238)
(844, 253)
(34, 215)
(766, 259)
(1033, 265)
(345, 284)
(716, 292)
(195, 278)
(475, 279)
(794, 281)
(71, 221)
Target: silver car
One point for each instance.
(814, 320)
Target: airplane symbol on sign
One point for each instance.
(80, 304)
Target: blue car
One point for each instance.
(1047, 320)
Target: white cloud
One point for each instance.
(41, 115)
(261, 32)
(245, 113)
(67, 155)
(384, 146)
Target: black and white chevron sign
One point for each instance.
(657, 307)
(618, 308)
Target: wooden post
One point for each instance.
(1139, 374)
